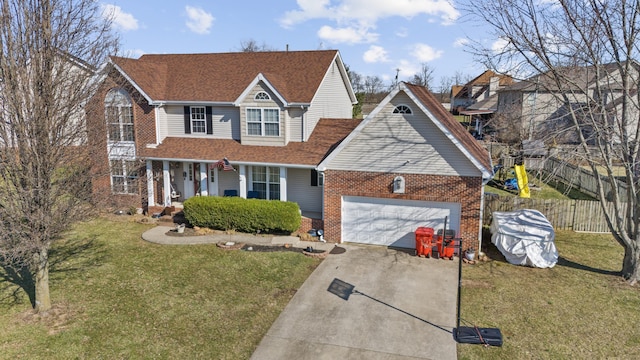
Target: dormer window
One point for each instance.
(402, 109)
(262, 96)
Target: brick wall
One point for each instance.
(145, 133)
(463, 190)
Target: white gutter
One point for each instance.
(291, 166)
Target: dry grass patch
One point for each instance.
(119, 297)
(579, 309)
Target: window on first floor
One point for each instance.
(266, 181)
(124, 176)
(317, 178)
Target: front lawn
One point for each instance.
(579, 309)
(118, 297)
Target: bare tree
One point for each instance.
(252, 45)
(424, 77)
(583, 54)
(49, 53)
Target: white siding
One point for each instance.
(331, 100)
(162, 124)
(299, 190)
(225, 119)
(403, 143)
(294, 124)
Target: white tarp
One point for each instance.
(524, 237)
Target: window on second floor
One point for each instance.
(119, 116)
(198, 120)
(402, 109)
(263, 121)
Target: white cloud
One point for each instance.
(375, 54)
(500, 45)
(199, 21)
(407, 69)
(402, 32)
(348, 35)
(368, 11)
(425, 53)
(120, 19)
(460, 42)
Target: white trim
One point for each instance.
(151, 201)
(248, 163)
(242, 181)
(166, 183)
(204, 179)
(204, 120)
(283, 183)
(252, 85)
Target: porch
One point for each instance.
(171, 182)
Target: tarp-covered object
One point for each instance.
(524, 237)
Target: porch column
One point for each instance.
(151, 201)
(215, 180)
(166, 183)
(283, 183)
(242, 181)
(204, 180)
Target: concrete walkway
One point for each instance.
(159, 235)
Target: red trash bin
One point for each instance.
(424, 238)
(446, 247)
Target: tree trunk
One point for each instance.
(43, 297)
(631, 265)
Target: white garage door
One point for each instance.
(392, 222)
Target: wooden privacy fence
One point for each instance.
(576, 215)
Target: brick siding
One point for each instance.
(463, 190)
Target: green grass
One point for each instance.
(579, 309)
(118, 297)
(543, 190)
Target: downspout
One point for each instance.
(304, 133)
(485, 181)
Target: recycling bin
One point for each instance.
(446, 244)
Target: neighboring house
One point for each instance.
(273, 115)
(538, 110)
(478, 89)
(408, 164)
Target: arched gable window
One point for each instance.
(119, 116)
(262, 96)
(402, 109)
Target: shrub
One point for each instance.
(244, 215)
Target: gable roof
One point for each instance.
(223, 77)
(443, 119)
(327, 134)
(482, 80)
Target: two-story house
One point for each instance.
(277, 125)
(540, 107)
(478, 89)
(272, 115)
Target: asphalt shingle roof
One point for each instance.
(327, 134)
(222, 77)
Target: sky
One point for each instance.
(375, 37)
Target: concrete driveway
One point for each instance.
(369, 302)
